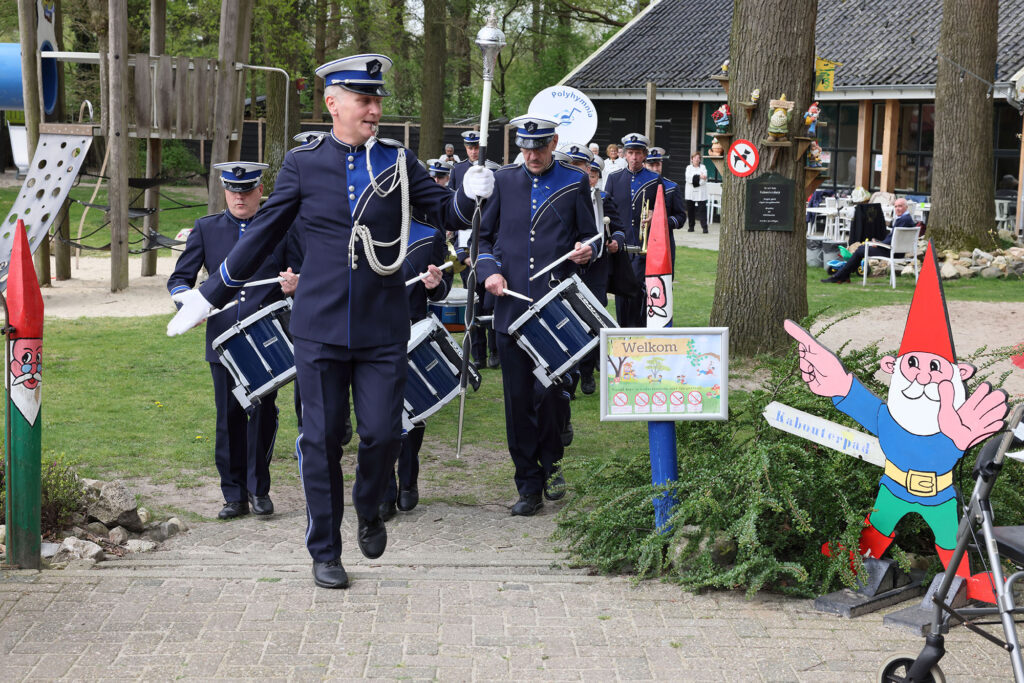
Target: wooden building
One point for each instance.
(880, 114)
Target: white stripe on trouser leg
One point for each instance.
(309, 518)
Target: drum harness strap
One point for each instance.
(362, 232)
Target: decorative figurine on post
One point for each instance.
(923, 426)
(721, 119)
(814, 155)
(716, 148)
(778, 123)
(755, 95)
(811, 119)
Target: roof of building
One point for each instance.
(893, 48)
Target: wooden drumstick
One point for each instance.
(563, 257)
(517, 295)
(423, 276)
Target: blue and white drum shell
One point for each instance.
(434, 365)
(560, 329)
(451, 310)
(258, 353)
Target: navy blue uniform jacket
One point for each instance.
(212, 238)
(325, 184)
(526, 224)
(630, 191)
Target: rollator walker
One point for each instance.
(1000, 542)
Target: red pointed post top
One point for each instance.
(24, 299)
(659, 261)
(928, 322)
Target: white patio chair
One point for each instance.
(831, 218)
(714, 200)
(889, 211)
(904, 241)
(1003, 214)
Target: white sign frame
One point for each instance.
(660, 404)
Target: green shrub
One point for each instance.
(755, 504)
(62, 495)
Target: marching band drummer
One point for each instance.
(439, 171)
(539, 211)
(595, 277)
(244, 444)
(428, 249)
(632, 189)
(350, 321)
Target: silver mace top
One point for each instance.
(491, 40)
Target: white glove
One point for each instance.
(478, 183)
(194, 310)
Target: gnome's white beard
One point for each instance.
(915, 407)
(26, 400)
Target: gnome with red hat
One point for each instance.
(924, 426)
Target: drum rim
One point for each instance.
(240, 325)
(532, 309)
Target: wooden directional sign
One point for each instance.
(770, 203)
(742, 158)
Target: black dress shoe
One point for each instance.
(587, 384)
(387, 510)
(372, 537)
(346, 436)
(479, 364)
(261, 505)
(408, 498)
(554, 487)
(330, 574)
(528, 505)
(690, 230)
(235, 508)
(567, 434)
(493, 362)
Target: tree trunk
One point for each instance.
(963, 191)
(274, 145)
(362, 20)
(458, 61)
(762, 275)
(398, 39)
(432, 108)
(319, 57)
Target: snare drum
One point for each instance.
(258, 354)
(451, 310)
(434, 365)
(560, 329)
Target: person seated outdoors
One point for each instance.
(903, 219)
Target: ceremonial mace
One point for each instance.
(490, 40)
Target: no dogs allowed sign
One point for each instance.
(742, 158)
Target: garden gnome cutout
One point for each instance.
(924, 426)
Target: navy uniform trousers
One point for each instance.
(529, 221)
(244, 444)
(350, 325)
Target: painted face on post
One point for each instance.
(27, 363)
(656, 297)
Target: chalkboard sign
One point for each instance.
(770, 203)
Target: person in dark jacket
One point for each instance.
(902, 220)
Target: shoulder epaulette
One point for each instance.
(389, 142)
(507, 167)
(312, 144)
(566, 164)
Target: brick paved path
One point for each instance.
(463, 593)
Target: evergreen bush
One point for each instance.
(755, 504)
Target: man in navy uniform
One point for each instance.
(244, 444)
(675, 203)
(427, 251)
(471, 141)
(539, 211)
(350, 320)
(633, 188)
(440, 171)
(595, 277)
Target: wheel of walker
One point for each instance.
(896, 668)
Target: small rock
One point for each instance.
(1017, 267)
(156, 533)
(114, 505)
(948, 271)
(97, 528)
(48, 549)
(85, 563)
(144, 516)
(118, 535)
(1005, 235)
(139, 545)
(965, 262)
(76, 549)
(965, 254)
(991, 273)
(963, 271)
(908, 270)
(182, 526)
(978, 256)
(999, 262)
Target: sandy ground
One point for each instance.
(975, 324)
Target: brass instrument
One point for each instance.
(645, 228)
(457, 265)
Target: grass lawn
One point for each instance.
(123, 400)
